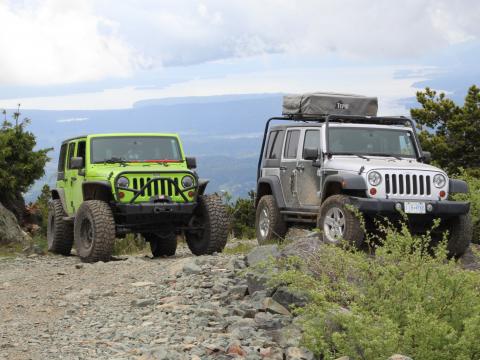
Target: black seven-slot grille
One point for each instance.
(161, 187)
(400, 184)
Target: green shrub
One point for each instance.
(238, 248)
(20, 164)
(405, 299)
(130, 244)
(474, 198)
(242, 215)
(42, 205)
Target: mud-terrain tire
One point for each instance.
(269, 224)
(59, 231)
(460, 233)
(210, 214)
(162, 244)
(336, 222)
(94, 231)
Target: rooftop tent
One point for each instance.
(315, 104)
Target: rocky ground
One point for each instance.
(182, 307)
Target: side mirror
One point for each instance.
(427, 157)
(310, 154)
(76, 163)
(191, 162)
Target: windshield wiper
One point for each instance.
(353, 154)
(114, 160)
(387, 155)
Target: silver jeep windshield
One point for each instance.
(134, 149)
(371, 141)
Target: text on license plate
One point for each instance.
(414, 207)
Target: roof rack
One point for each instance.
(351, 119)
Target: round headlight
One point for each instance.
(439, 181)
(374, 178)
(187, 181)
(123, 182)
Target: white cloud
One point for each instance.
(69, 120)
(188, 31)
(47, 42)
(58, 42)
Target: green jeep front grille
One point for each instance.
(159, 188)
(162, 187)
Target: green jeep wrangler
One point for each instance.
(111, 185)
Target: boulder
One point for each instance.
(287, 297)
(272, 306)
(258, 282)
(399, 357)
(261, 254)
(304, 246)
(10, 231)
(295, 353)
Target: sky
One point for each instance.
(107, 54)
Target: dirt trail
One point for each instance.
(183, 307)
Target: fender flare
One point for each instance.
(89, 190)
(202, 186)
(59, 194)
(346, 182)
(457, 186)
(276, 188)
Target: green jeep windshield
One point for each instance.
(371, 141)
(135, 149)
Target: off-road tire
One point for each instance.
(460, 233)
(276, 227)
(210, 214)
(162, 244)
(59, 231)
(94, 231)
(353, 233)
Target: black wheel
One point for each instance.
(59, 231)
(162, 244)
(460, 233)
(269, 224)
(94, 231)
(209, 226)
(337, 222)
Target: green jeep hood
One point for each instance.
(104, 171)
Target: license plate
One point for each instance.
(414, 207)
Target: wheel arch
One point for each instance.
(270, 185)
(202, 186)
(97, 190)
(346, 184)
(59, 194)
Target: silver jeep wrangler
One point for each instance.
(334, 152)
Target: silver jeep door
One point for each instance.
(288, 167)
(308, 180)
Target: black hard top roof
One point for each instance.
(73, 138)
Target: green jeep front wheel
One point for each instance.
(209, 226)
(94, 231)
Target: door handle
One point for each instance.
(73, 178)
(283, 168)
(300, 167)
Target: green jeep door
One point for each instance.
(74, 177)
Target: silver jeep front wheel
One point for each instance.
(338, 222)
(334, 224)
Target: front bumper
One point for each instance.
(386, 207)
(152, 216)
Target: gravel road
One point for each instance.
(182, 307)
